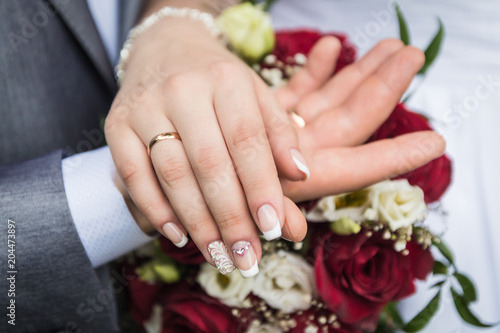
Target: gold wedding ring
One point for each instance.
(161, 137)
(296, 118)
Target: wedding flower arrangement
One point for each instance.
(364, 251)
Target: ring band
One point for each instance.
(296, 118)
(161, 137)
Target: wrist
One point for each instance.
(164, 14)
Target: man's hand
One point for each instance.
(342, 112)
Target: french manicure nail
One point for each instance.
(300, 162)
(220, 257)
(245, 259)
(174, 233)
(269, 222)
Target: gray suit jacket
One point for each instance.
(55, 83)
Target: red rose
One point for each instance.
(189, 254)
(358, 275)
(434, 177)
(291, 42)
(187, 308)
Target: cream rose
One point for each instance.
(231, 289)
(349, 205)
(249, 30)
(397, 203)
(285, 282)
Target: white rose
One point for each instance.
(231, 289)
(332, 208)
(264, 329)
(285, 282)
(398, 203)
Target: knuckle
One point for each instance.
(208, 161)
(391, 44)
(197, 223)
(130, 173)
(244, 136)
(227, 69)
(178, 83)
(231, 219)
(153, 210)
(261, 185)
(172, 170)
(115, 118)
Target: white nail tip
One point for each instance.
(183, 242)
(302, 167)
(273, 233)
(250, 272)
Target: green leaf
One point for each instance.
(438, 284)
(423, 317)
(464, 311)
(268, 4)
(404, 32)
(433, 49)
(439, 268)
(445, 251)
(468, 288)
(393, 311)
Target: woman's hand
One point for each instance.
(223, 175)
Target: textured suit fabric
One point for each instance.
(56, 83)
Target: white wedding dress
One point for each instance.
(466, 109)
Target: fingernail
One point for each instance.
(174, 233)
(297, 119)
(269, 222)
(300, 162)
(287, 232)
(245, 258)
(220, 257)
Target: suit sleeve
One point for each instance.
(55, 287)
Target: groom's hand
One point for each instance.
(342, 112)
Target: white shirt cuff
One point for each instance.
(102, 219)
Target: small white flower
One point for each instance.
(285, 282)
(400, 245)
(264, 329)
(300, 59)
(155, 323)
(398, 203)
(311, 329)
(231, 289)
(273, 76)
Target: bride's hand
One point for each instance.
(223, 175)
(342, 112)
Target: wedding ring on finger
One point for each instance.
(296, 118)
(161, 137)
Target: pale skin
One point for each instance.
(229, 120)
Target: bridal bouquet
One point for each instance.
(364, 251)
